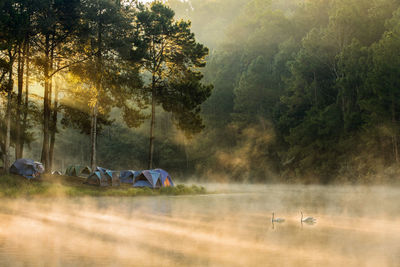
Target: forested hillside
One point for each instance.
(293, 90)
(303, 90)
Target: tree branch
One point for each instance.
(67, 66)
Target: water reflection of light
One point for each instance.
(233, 230)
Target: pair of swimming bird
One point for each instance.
(302, 220)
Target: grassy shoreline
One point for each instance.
(14, 186)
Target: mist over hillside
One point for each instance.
(303, 91)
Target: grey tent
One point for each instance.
(78, 170)
(27, 168)
(103, 177)
(98, 178)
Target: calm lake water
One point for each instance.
(356, 226)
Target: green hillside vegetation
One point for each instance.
(288, 91)
(304, 91)
(12, 186)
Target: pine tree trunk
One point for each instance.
(315, 90)
(93, 131)
(46, 109)
(395, 149)
(394, 138)
(26, 103)
(153, 120)
(186, 154)
(6, 159)
(53, 125)
(21, 62)
(6, 155)
(93, 138)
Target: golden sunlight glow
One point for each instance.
(183, 231)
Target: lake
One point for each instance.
(356, 226)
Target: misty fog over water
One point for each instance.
(356, 226)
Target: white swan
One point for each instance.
(277, 220)
(308, 220)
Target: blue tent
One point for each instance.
(27, 168)
(103, 177)
(128, 176)
(100, 169)
(148, 178)
(153, 179)
(143, 183)
(165, 177)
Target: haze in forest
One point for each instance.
(271, 108)
(291, 91)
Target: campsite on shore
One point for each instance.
(28, 178)
(14, 186)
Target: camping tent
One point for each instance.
(27, 168)
(103, 177)
(128, 176)
(165, 177)
(98, 178)
(78, 170)
(56, 173)
(153, 179)
(148, 178)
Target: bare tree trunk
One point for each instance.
(46, 108)
(6, 159)
(93, 132)
(343, 107)
(395, 148)
(394, 138)
(53, 125)
(6, 156)
(21, 62)
(186, 154)
(315, 90)
(93, 139)
(152, 124)
(26, 104)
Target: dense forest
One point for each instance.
(303, 90)
(75, 64)
(288, 90)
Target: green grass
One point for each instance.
(13, 186)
